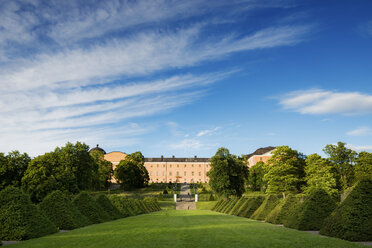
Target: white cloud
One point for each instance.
(360, 148)
(318, 101)
(207, 132)
(360, 131)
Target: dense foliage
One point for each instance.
(228, 174)
(131, 172)
(311, 214)
(282, 211)
(286, 173)
(352, 219)
(256, 175)
(105, 170)
(12, 168)
(19, 218)
(363, 167)
(60, 210)
(90, 208)
(107, 205)
(266, 207)
(250, 206)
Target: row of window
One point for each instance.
(170, 166)
(170, 173)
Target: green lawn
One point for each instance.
(167, 205)
(205, 205)
(186, 228)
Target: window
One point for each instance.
(178, 173)
(163, 165)
(170, 173)
(192, 173)
(199, 165)
(163, 173)
(170, 166)
(192, 165)
(184, 173)
(157, 165)
(185, 166)
(199, 173)
(178, 166)
(157, 173)
(150, 173)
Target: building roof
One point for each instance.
(97, 148)
(174, 159)
(261, 151)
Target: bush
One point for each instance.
(107, 205)
(211, 197)
(311, 213)
(266, 207)
(120, 204)
(231, 205)
(90, 208)
(152, 204)
(161, 197)
(250, 206)
(60, 210)
(165, 192)
(222, 205)
(20, 219)
(237, 205)
(352, 219)
(281, 212)
(217, 205)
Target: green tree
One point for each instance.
(343, 159)
(286, 173)
(105, 171)
(363, 167)
(131, 172)
(320, 174)
(256, 175)
(12, 168)
(228, 174)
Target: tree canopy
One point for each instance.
(105, 170)
(131, 172)
(363, 167)
(256, 175)
(228, 173)
(12, 168)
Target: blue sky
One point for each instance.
(185, 77)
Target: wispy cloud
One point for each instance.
(318, 101)
(360, 148)
(208, 131)
(360, 131)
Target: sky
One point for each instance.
(184, 78)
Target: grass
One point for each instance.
(185, 228)
(167, 205)
(207, 205)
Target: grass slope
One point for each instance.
(185, 228)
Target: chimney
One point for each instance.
(162, 157)
(173, 156)
(195, 156)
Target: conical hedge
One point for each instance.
(281, 212)
(120, 203)
(107, 205)
(60, 210)
(237, 205)
(352, 219)
(266, 207)
(250, 206)
(311, 214)
(218, 203)
(90, 208)
(20, 219)
(230, 205)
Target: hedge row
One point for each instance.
(250, 206)
(282, 211)
(20, 219)
(266, 207)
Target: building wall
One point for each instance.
(257, 158)
(178, 171)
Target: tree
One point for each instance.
(363, 167)
(256, 175)
(320, 173)
(286, 173)
(343, 158)
(228, 174)
(12, 168)
(131, 172)
(105, 171)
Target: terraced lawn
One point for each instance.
(185, 228)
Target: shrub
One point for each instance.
(90, 208)
(165, 192)
(161, 197)
(152, 204)
(231, 205)
(222, 205)
(281, 212)
(311, 213)
(237, 205)
(250, 206)
(20, 219)
(107, 205)
(60, 210)
(211, 197)
(218, 203)
(266, 207)
(120, 204)
(352, 219)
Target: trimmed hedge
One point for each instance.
(266, 207)
(281, 212)
(152, 204)
(90, 208)
(352, 219)
(60, 210)
(250, 206)
(222, 205)
(107, 205)
(20, 219)
(120, 204)
(311, 214)
(237, 205)
(218, 203)
(231, 204)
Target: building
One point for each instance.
(261, 154)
